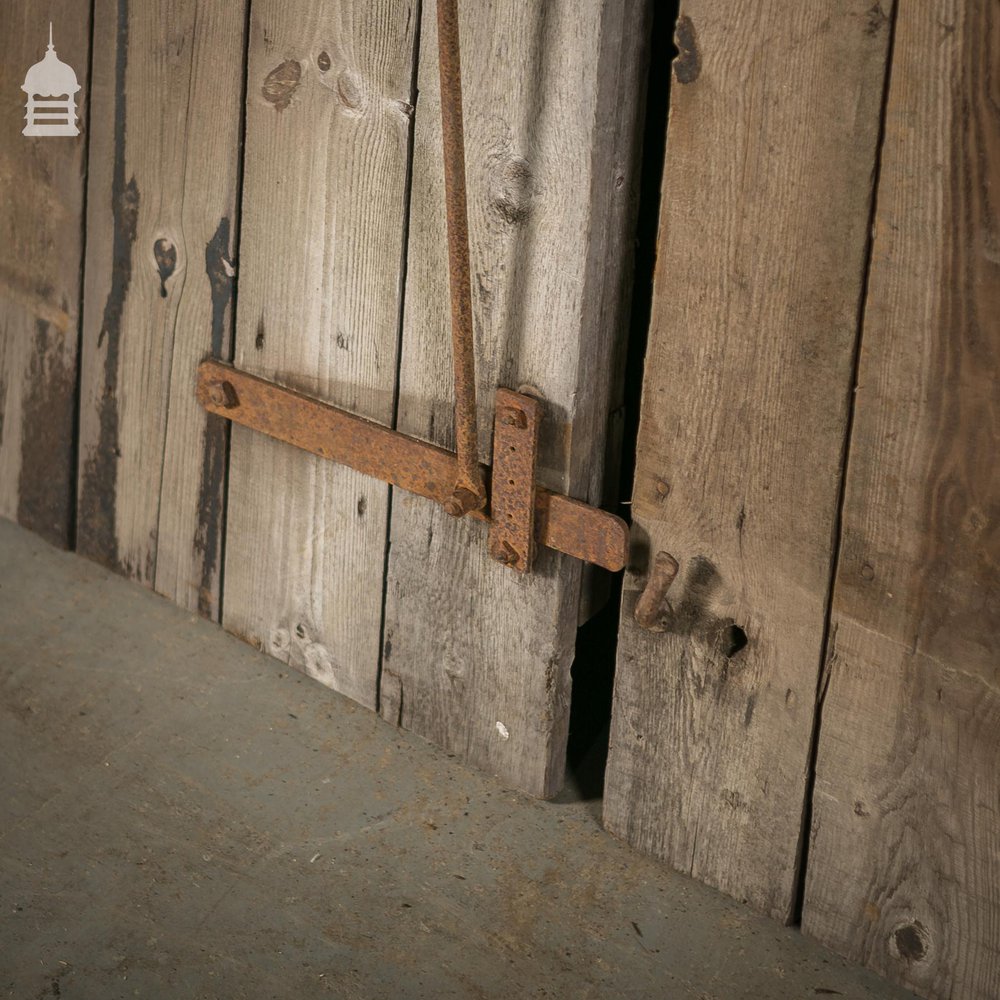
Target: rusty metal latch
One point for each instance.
(521, 513)
(560, 522)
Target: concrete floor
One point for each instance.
(182, 817)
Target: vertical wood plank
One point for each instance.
(771, 145)
(329, 110)
(161, 223)
(41, 256)
(904, 862)
(476, 657)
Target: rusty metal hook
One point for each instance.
(652, 603)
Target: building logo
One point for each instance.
(51, 87)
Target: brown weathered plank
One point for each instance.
(477, 657)
(767, 184)
(41, 256)
(164, 158)
(329, 112)
(904, 863)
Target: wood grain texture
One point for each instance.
(771, 146)
(476, 657)
(329, 112)
(164, 158)
(904, 862)
(41, 256)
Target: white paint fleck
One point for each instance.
(503, 731)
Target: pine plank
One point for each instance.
(771, 145)
(904, 862)
(476, 657)
(329, 113)
(161, 225)
(41, 257)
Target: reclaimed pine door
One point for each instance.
(813, 722)
(343, 295)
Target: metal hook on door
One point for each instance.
(652, 608)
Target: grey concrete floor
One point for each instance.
(183, 817)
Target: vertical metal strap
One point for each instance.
(470, 492)
(512, 493)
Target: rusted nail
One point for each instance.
(652, 603)
(223, 394)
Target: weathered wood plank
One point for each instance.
(767, 184)
(329, 113)
(161, 223)
(904, 863)
(41, 256)
(476, 657)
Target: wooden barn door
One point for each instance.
(343, 294)
(813, 723)
(771, 148)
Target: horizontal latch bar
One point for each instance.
(561, 523)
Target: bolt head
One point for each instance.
(512, 417)
(223, 394)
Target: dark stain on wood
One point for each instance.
(45, 487)
(687, 65)
(877, 19)
(211, 487)
(690, 615)
(281, 83)
(211, 492)
(219, 269)
(259, 339)
(165, 254)
(97, 537)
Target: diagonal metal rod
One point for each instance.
(470, 492)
